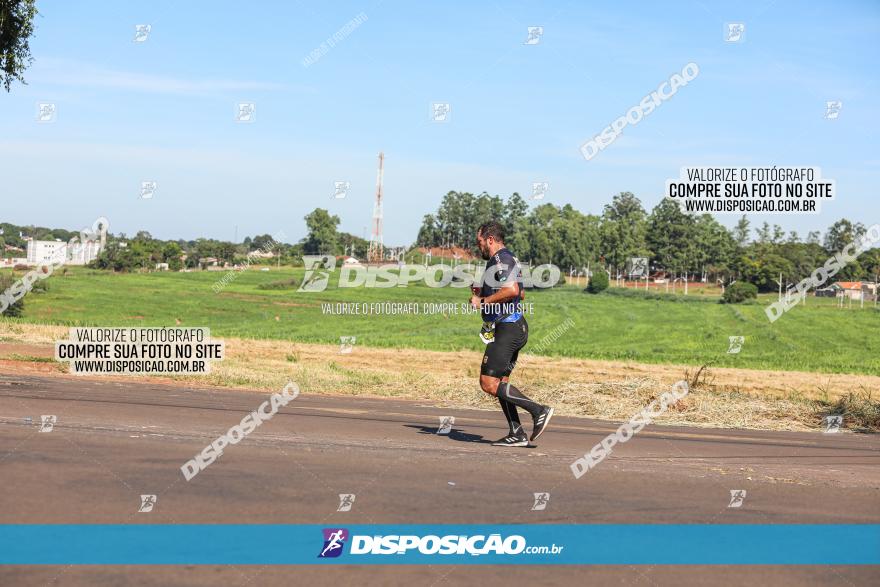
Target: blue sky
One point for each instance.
(163, 109)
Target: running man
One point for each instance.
(505, 332)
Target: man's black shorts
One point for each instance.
(501, 354)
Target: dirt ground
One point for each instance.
(613, 390)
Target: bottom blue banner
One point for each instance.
(587, 544)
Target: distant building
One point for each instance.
(454, 253)
(84, 253)
(855, 290)
(39, 252)
(13, 262)
(45, 251)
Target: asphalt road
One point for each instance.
(113, 442)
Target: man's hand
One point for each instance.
(476, 301)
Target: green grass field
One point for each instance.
(693, 330)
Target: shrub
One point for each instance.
(282, 284)
(859, 409)
(16, 309)
(739, 292)
(598, 282)
(641, 294)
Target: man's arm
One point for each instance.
(507, 292)
(508, 274)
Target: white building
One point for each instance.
(45, 251)
(40, 252)
(83, 253)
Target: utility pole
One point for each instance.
(375, 252)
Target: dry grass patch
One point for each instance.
(611, 390)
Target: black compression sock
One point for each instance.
(511, 414)
(508, 392)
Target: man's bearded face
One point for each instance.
(483, 244)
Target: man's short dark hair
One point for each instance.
(493, 229)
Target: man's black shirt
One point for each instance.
(502, 268)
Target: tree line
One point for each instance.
(697, 247)
(142, 252)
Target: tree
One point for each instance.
(623, 230)
(354, 245)
(171, 254)
(778, 234)
(870, 261)
(16, 28)
(741, 232)
(714, 247)
(515, 212)
(13, 310)
(544, 234)
(461, 213)
(226, 252)
(322, 238)
(261, 242)
(579, 236)
(764, 235)
(804, 257)
(841, 233)
(739, 292)
(117, 258)
(429, 234)
(764, 270)
(670, 236)
(598, 281)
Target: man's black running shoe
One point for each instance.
(519, 438)
(541, 422)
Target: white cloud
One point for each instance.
(62, 72)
